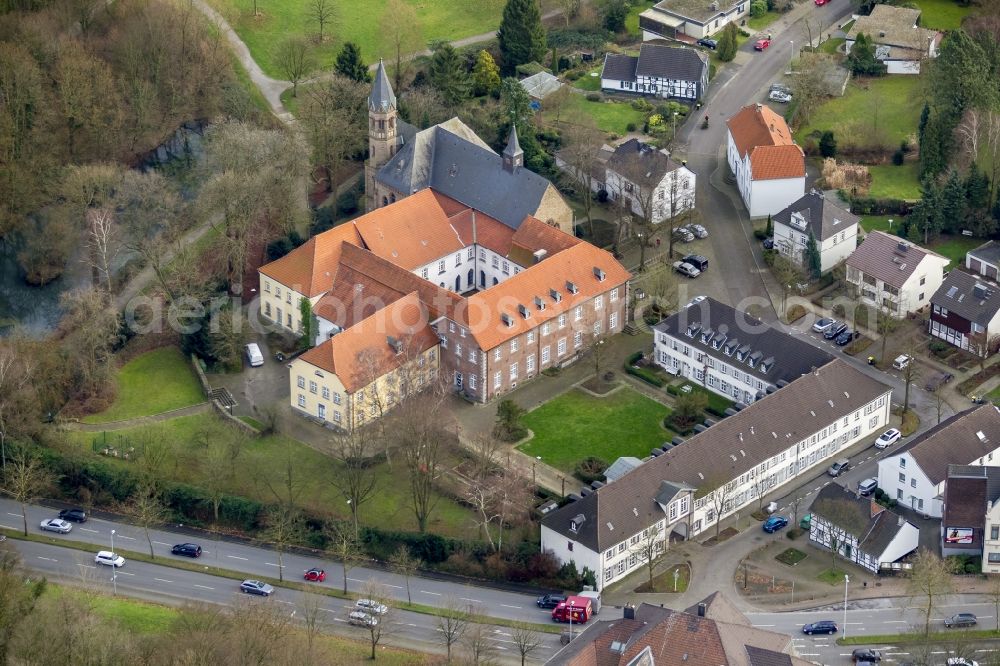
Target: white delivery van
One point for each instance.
(253, 355)
(902, 361)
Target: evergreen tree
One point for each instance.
(485, 74)
(926, 218)
(726, 48)
(447, 74)
(861, 60)
(977, 188)
(521, 35)
(769, 229)
(925, 113)
(812, 257)
(515, 104)
(934, 147)
(350, 64)
(615, 13)
(953, 204)
(828, 144)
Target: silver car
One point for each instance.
(778, 96)
(699, 231)
(686, 269)
(56, 525)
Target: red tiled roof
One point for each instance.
(410, 233)
(533, 234)
(773, 162)
(757, 125)
(310, 268)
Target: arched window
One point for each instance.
(392, 198)
(385, 202)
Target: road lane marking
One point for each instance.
(284, 602)
(87, 566)
(122, 536)
(160, 543)
(47, 558)
(124, 573)
(398, 587)
(272, 564)
(163, 580)
(329, 610)
(509, 606)
(765, 625)
(337, 619)
(355, 580)
(475, 601)
(895, 622)
(237, 557)
(204, 587)
(436, 594)
(87, 529)
(16, 515)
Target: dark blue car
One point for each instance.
(775, 523)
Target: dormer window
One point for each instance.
(599, 274)
(555, 295)
(507, 319)
(692, 330)
(539, 303)
(706, 335)
(523, 311)
(717, 342)
(571, 287)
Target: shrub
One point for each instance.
(795, 313)
(630, 127)
(593, 97)
(322, 220)
(646, 375)
(590, 469)
(760, 234)
(572, 75)
(898, 157)
(633, 358)
(347, 203)
(642, 105)
(758, 8)
(828, 144)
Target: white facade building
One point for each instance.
(769, 168)
(894, 275)
(648, 180)
(900, 44)
(670, 18)
(834, 229)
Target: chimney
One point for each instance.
(629, 612)
(702, 607)
(900, 520)
(876, 508)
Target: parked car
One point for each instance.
(74, 515)
(371, 606)
(254, 356)
(708, 43)
(699, 230)
(867, 487)
(256, 587)
(821, 627)
(845, 338)
(960, 620)
(683, 234)
(834, 331)
(839, 467)
(780, 87)
(768, 243)
(550, 600)
(361, 619)
(186, 549)
(820, 3)
(696, 300)
(761, 44)
(824, 324)
(806, 522)
(866, 654)
(56, 525)
(686, 269)
(778, 96)
(107, 558)
(961, 661)
(888, 438)
(774, 523)
(902, 361)
(938, 380)
(315, 574)
(696, 260)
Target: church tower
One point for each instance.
(382, 136)
(513, 156)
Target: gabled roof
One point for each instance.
(757, 125)
(699, 10)
(872, 525)
(988, 252)
(776, 162)
(891, 259)
(956, 440)
(822, 218)
(966, 494)
(641, 163)
(310, 268)
(679, 63)
(619, 67)
(893, 26)
(728, 449)
(450, 158)
(413, 232)
(362, 353)
(972, 298)
(739, 333)
(990, 473)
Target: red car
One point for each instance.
(761, 44)
(314, 574)
(820, 3)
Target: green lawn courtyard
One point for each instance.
(575, 425)
(895, 182)
(155, 382)
(941, 14)
(610, 116)
(359, 22)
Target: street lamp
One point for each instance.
(674, 134)
(791, 56)
(114, 568)
(846, 581)
(890, 224)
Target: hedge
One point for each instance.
(633, 358)
(645, 375)
(873, 206)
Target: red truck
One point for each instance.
(577, 609)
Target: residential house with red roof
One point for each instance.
(769, 167)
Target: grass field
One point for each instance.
(154, 382)
(955, 247)
(264, 460)
(941, 14)
(355, 21)
(588, 82)
(632, 20)
(832, 46)
(881, 223)
(760, 22)
(576, 425)
(609, 116)
(895, 182)
(884, 110)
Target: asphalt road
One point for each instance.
(257, 561)
(176, 586)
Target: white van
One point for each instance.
(902, 361)
(253, 355)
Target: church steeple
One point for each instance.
(381, 98)
(513, 156)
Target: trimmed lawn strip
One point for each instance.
(832, 46)
(664, 582)
(715, 401)
(632, 19)
(895, 182)
(152, 383)
(251, 421)
(881, 223)
(790, 556)
(955, 247)
(941, 14)
(935, 637)
(609, 116)
(240, 576)
(761, 22)
(575, 425)
(831, 576)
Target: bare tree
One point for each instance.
(295, 58)
(717, 490)
(334, 117)
(787, 273)
(479, 643)
(147, 509)
(25, 480)
(400, 36)
(378, 593)
(487, 450)
(312, 616)
(636, 188)
(983, 344)
(422, 443)
(17, 397)
(17, 602)
(403, 563)
(526, 640)
(152, 222)
(927, 582)
(452, 623)
(344, 546)
(911, 373)
(355, 475)
(498, 499)
(321, 12)
(583, 147)
(885, 324)
(103, 245)
(649, 549)
(284, 527)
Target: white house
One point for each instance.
(662, 71)
(899, 42)
(915, 475)
(646, 180)
(894, 275)
(731, 353)
(984, 260)
(861, 530)
(695, 18)
(770, 169)
(835, 231)
(965, 312)
(688, 489)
